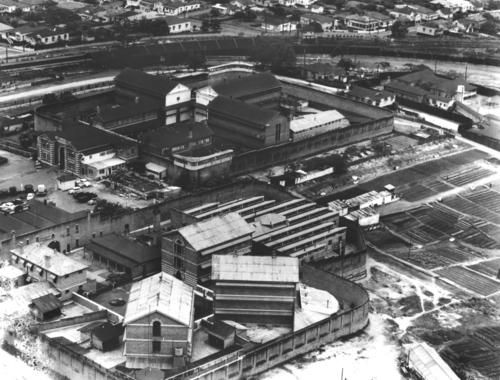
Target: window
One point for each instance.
(156, 346)
(156, 328)
(278, 132)
(67, 231)
(77, 228)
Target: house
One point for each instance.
(173, 97)
(414, 12)
(309, 125)
(373, 97)
(305, 3)
(246, 124)
(466, 25)
(225, 10)
(11, 277)
(45, 307)
(368, 22)
(255, 289)
(48, 37)
(429, 29)
(187, 252)
(41, 263)
(262, 89)
(454, 6)
(158, 323)
(324, 72)
(8, 6)
(66, 181)
(317, 9)
(84, 150)
(123, 254)
(220, 334)
(157, 171)
(276, 25)
(445, 13)
(242, 4)
(176, 8)
(178, 25)
(406, 14)
(105, 336)
(10, 125)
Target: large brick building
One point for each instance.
(187, 252)
(159, 323)
(255, 289)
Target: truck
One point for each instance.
(41, 190)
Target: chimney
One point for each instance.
(46, 261)
(136, 100)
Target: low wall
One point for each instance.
(89, 317)
(84, 301)
(349, 320)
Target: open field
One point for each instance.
(490, 268)
(466, 175)
(470, 280)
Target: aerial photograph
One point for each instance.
(249, 189)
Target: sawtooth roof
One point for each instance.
(249, 85)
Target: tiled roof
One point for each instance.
(162, 294)
(47, 303)
(255, 268)
(58, 264)
(252, 84)
(241, 110)
(368, 93)
(214, 231)
(155, 84)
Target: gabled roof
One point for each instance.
(86, 137)
(368, 93)
(156, 84)
(255, 268)
(214, 231)
(161, 293)
(47, 303)
(252, 84)
(177, 134)
(241, 110)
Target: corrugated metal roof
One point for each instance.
(427, 362)
(47, 303)
(160, 293)
(216, 230)
(255, 268)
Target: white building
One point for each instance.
(306, 126)
(41, 263)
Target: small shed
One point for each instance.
(106, 337)
(45, 307)
(66, 181)
(220, 334)
(158, 171)
(11, 276)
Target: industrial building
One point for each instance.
(159, 323)
(309, 125)
(255, 289)
(187, 252)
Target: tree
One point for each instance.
(346, 63)
(277, 54)
(205, 26)
(399, 30)
(195, 59)
(489, 27)
(215, 25)
(317, 28)
(339, 164)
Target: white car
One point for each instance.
(73, 190)
(7, 207)
(30, 196)
(86, 183)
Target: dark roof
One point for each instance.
(131, 252)
(177, 134)
(89, 327)
(125, 110)
(368, 93)
(47, 303)
(249, 85)
(106, 331)
(241, 110)
(85, 138)
(220, 329)
(428, 79)
(138, 79)
(400, 86)
(67, 177)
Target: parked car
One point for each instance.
(74, 190)
(30, 196)
(92, 202)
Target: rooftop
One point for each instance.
(305, 122)
(115, 244)
(57, 263)
(214, 231)
(10, 272)
(255, 268)
(248, 85)
(160, 293)
(177, 134)
(368, 93)
(85, 137)
(156, 84)
(241, 110)
(46, 303)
